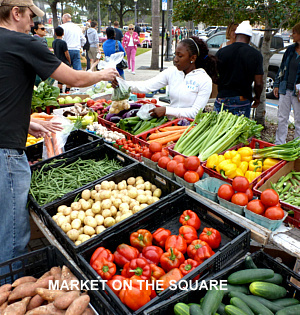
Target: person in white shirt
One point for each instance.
(74, 38)
(190, 81)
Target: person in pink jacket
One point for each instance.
(130, 42)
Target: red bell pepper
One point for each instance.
(187, 266)
(189, 233)
(176, 241)
(160, 236)
(101, 252)
(152, 254)
(173, 258)
(139, 267)
(189, 217)
(156, 272)
(199, 251)
(116, 283)
(211, 236)
(174, 274)
(105, 269)
(141, 239)
(124, 254)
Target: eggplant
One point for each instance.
(115, 119)
(109, 116)
(131, 113)
(183, 122)
(135, 106)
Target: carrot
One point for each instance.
(164, 140)
(49, 146)
(173, 128)
(163, 134)
(56, 147)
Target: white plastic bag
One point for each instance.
(112, 61)
(143, 112)
(122, 92)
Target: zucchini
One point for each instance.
(249, 263)
(190, 304)
(277, 279)
(212, 300)
(241, 305)
(290, 310)
(269, 304)
(285, 302)
(267, 290)
(237, 288)
(221, 309)
(195, 309)
(250, 275)
(233, 310)
(181, 309)
(256, 307)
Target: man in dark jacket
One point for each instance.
(118, 32)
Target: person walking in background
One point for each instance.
(74, 39)
(88, 62)
(109, 46)
(60, 48)
(119, 33)
(230, 34)
(130, 42)
(285, 87)
(93, 39)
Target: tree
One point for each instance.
(155, 34)
(273, 14)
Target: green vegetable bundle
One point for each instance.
(45, 95)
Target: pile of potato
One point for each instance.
(31, 296)
(104, 206)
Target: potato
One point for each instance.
(81, 215)
(93, 192)
(116, 202)
(49, 295)
(63, 301)
(133, 193)
(78, 306)
(106, 213)
(140, 186)
(150, 201)
(141, 192)
(98, 187)
(129, 187)
(61, 208)
(17, 308)
(109, 222)
(153, 187)
(97, 197)
(139, 181)
(113, 211)
(125, 216)
(83, 237)
(61, 220)
(55, 217)
(35, 302)
(122, 185)
(76, 224)
(142, 198)
(112, 184)
(88, 230)
(143, 205)
(106, 204)
(126, 199)
(155, 198)
(99, 229)
(91, 202)
(138, 177)
(66, 227)
(76, 206)
(157, 192)
(85, 205)
(22, 280)
(80, 230)
(132, 204)
(131, 181)
(147, 185)
(119, 213)
(105, 194)
(46, 310)
(136, 209)
(74, 215)
(99, 219)
(90, 221)
(96, 207)
(105, 185)
(89, 213)
(118, 218)
(68, 219)
(86, 194)
(124, 206)
(73, 234)
(124, 192)
(77, 243)
(148, 193)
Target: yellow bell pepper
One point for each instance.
(255, 165)
(221, 164)
(230, 154)
(212, 161)
(237, 159)
(227, 169)
(246, 153)
(243, 166)
(250, 175)
(221, 158)
(268, 163)
(239, 172)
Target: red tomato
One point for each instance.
(129, 141)
(163, 161)
(147, 154)
(249, 193)
(240, 199)
(179, 158)
(119, 141)
(156, 156)
(90, 103)
(256, 206)
(154, 100)
(125, 147)
(240, 184)
(192, 163)
(269, 197)
(180, 170)
(171, 165)
(155, 147)
(274, 213)
(164, 153)
(191, 177)
(200, 171)
(226, 192)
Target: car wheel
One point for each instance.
(270, 84)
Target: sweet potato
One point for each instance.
(5, 287)
(23, 280)
(88, 311)
(67, 276)
(56, 273)
(64, 301)
(4, 296)
(45, 275)
(49, 295)
(36, 301)
(78, 306)
(49, 309)
(17, 308)
(3, 306)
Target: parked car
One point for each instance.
(216, 30)
(215, 41)
(286, 36)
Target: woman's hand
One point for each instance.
(275, 92)
(158, 111)
(52, 126)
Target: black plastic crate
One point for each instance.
(77, 138)
(38, 262)
(235, 242)
(97, 153)
(170, 190)
(261, 259)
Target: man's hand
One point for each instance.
(114, 83)
(38, 130)
(158, 111)
(109, 74)
(255, 103)
(275, 92)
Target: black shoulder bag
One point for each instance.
(123, 64)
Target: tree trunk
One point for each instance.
(53, 6)
(155, 35)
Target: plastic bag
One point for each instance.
(111, 61)
(54, 145)
(122, 92)
(143, 112)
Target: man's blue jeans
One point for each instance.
(234, 105)
(75, 59)
(14, 216)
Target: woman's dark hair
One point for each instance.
(59, 31)
(198, 47)
(35, 27)
(110, 33)
(94, 24)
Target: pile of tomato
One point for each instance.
(240, 194)
(128, 145)
(155, 256)
(187, 168)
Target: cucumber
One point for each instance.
(195, 309)
(256, 307)
(233, 310)
(241, 305)
(181, 309)
(237, 288)
(249, 263)
(212, 300)
(286, 302)
(277, 279)
(250, 275)
(290, 310)
(190, 304)
(221, 309)
(267, 290)
(269, 304)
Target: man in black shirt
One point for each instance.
(118, 32)
(239, 65)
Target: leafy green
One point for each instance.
(45, 95)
